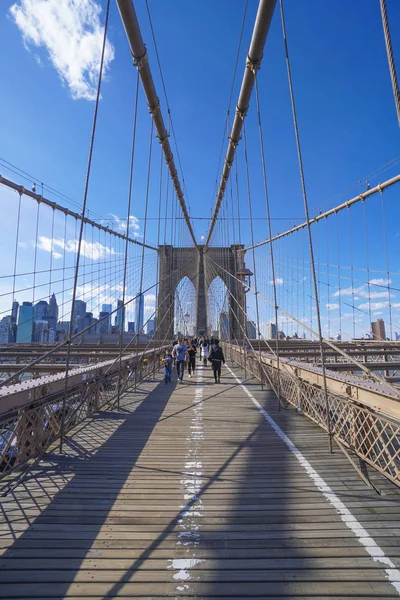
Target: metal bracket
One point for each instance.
(253, 65)
(360, 468)
(141, 61)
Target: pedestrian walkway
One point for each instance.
(193, 491)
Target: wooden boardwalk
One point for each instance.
(190, 491)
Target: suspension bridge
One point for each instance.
(282, 481)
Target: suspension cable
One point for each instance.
(78, 254)
(390, 57)
(310, 243)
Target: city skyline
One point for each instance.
(30, 322)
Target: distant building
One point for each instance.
(106, 308)
(25, 323)
(270, 333)
(131, 326)
(139, 313)
(396, 336)
(223, 329)
(14, 317)
(251, 330)
(41, 331)
(40, 310)
(104, 323)
(14, 311)
(150, 327)
(339, 337)
(79, 315)
(62, 330)
(52, 313)
(90, 322)
(378, 330)
(6, 330)
(120, 316)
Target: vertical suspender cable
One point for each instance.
(271, 253)
(88, 170)
(253, 250)
(128, 215)
(387, 265)
(389, 51)
(141, 297)
(303, 185)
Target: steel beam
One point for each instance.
(41, 199)
(139, 53)
(369, 394)
(26, 393)
(360, 198)
(253, 62)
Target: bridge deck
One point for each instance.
(188, 491)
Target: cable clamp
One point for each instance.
(241, 113)
(141, 61)
(233, 143)
(164, 139)
(153, 110)
(253, 65)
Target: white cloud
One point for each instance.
(149, 304)
(71, 32)
(90, 250)
(380, 281)
(332, 306)
(278, 281)
(373, 305)
(363, 292)
(134, 227)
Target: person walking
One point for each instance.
(205, 354)
(216, 358)
(179, 352)
(167, 360)
(192, 359)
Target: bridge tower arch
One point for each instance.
(201, 267)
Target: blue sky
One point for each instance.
(346, 112)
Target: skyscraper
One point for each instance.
(41, 330)
(120, 316)
(150, 327)
(378, 330)
(251, 330)
(52, 313)
(25, 323)
(79, 315)
(270, 333)
(14, 316)
(14, 311)
(139, 313)
(40, 310)
(6, 330)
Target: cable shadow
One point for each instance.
(46, 530)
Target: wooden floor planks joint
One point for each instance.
(188, 492)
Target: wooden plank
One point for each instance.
(179, 476)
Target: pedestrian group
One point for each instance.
(183, 353)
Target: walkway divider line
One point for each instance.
(369, 544)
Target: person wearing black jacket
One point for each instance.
(216, 357)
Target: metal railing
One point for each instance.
(31, 420)
(371, 435)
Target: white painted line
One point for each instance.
(369, 544)
(191, 512)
